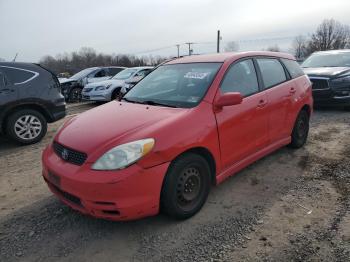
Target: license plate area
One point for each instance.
(54, 179)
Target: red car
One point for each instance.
(190, 124)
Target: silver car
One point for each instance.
(109, 89)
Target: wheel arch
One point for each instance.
(15, 108)
(207, 155)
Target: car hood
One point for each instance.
(114, 82)
(66, 80)
(112, 124)
(326, 71)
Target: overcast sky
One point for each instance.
(35, 28)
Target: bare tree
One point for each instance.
(274, 48)
(231, 46)
(329, 35)
(299, 47)
(88, 57)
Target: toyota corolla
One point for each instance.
(188, 125)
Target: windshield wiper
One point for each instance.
(153, 103)
(129, 100)
(147, 102)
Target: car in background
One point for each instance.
(329, 71)
(133, 81)
(110, 89)
(30, 98)
(72, 87)
(171, 138)
(62, 76)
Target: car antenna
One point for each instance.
(14, 59)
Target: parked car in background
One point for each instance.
(133, 81)
(329, 71)
(72, 87)
(110, 89)
(30, 98)
(171, 138)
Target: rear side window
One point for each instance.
(113, 71)
(293, 68)
(272, 71)
(241, 77)
(18, 76)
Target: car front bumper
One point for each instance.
(331, 98)
(96, 96)
(127, 194)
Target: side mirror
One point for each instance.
(228, 99)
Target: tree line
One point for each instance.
(329, 35)
(87, 57)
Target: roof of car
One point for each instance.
(333, 51)
(222, 57)
(141, 67)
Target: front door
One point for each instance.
(243, 128)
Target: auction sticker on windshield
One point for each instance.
(195, 75)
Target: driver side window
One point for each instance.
(241, 77)
(101, 73)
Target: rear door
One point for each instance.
(242, 128)
(8, 91)
(280, 94)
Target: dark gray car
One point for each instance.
(30, 98)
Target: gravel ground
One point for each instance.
(293, 205)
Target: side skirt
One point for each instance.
(232, 170)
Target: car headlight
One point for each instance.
(342, 79)
(124, 155)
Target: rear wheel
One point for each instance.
(300, 130)
(75, 95)
(186, 186)
(26, 126)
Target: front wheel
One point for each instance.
(26, 126)
(300, 130)
(186, 186)
(75, 95)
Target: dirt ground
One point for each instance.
(293, 205)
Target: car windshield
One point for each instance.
(177, 85)
(125, 74)
(341, 59)
(82, 73)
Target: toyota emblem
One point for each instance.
(65, 154)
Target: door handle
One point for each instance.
(262, 103)
(292, 90)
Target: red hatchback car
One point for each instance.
(189, 124)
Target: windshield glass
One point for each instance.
(82, 73)
(125, 74)
(340, 59)
(177, 85)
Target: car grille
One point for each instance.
(87, 90)
(69, 155)
(319, 84)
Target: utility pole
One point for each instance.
(178, 51)
(218, 42)
(189, 47)
(14, 59)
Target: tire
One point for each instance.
(116, 94)
(75, 94)
(186, 186)
(26, 126)
(300, 130)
